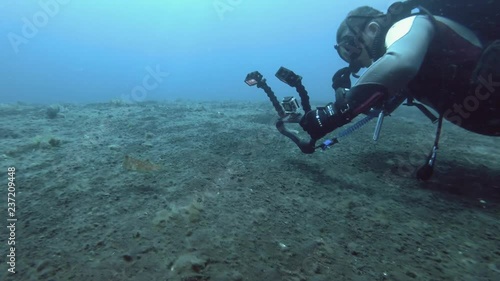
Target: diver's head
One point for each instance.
(359, 35)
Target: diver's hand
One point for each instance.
(342, 79)
(321, 121)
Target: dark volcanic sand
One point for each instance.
(228, 198)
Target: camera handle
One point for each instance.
(270, 94)
(288, 77)
(256, 79)
(307, 147)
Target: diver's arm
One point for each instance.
(407, 42)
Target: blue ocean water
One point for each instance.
(95, 51)
(210, 190)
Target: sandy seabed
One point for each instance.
(196, 191)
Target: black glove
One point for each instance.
(342, 79)
(317, 123)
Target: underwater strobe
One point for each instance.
(289, 109)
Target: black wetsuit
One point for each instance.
(436, 61)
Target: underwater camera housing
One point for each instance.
(290, 105)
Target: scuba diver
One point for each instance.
(439, 61)
(414, 57)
